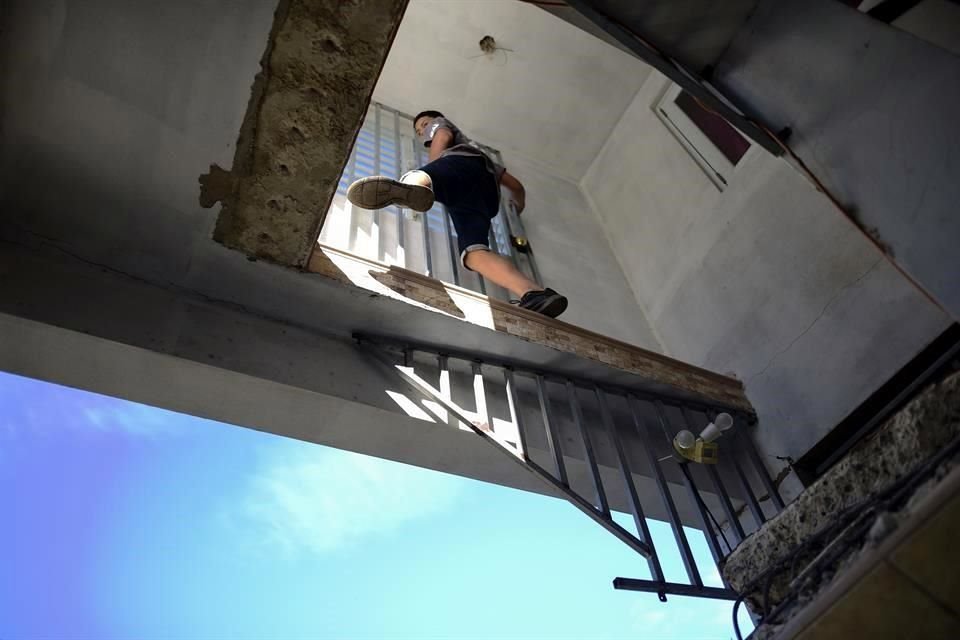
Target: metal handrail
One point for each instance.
(400, 358)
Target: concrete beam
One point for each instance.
(307, 104)
(84, 326)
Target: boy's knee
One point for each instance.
(474, 254)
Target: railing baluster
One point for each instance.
(553, 438)
(631, 488)
(401, 220)
(377, 153)
(712, 535)
(480, 394)
(755, 509)
(351, 216)
(761, 469)
(510, 213)
(508, 231)
(452, 247)
(577, 412)
(424, 217)
(728, 510)
(515, 413)
(443, 363)
(686, 553)
(701, 510)
(676, 525)
(717, 482)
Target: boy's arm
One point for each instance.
(516, 188)
(442, 138)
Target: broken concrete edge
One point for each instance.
(306, 108)
(243, 153)
(220, 185)
(409, 287)
(927, 502)
(901, 446)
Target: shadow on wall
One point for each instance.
(395, 279)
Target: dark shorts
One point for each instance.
(471, 194)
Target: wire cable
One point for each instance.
(716, 524)
(845, 530)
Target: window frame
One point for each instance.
(697, 144)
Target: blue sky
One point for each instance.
(124, 521)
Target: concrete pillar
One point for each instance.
(317, 74)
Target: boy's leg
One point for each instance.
(498, 269)
(501, 271)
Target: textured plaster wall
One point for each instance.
(574, 257)
(874, 111)
(764, 279)
(319, 69)
(902, 445)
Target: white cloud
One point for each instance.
(33, 407)
(712, 578)
(682, 618)
(320, 499)
(110, 414)
(650, 617)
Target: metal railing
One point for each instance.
(425, 243)
(591, 441)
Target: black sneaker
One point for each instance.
(548, 302)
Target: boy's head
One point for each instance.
(424, 118)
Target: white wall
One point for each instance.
(574, 257)
(764, 280)
(554, 98)
(651, 197)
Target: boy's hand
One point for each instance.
(518, 193)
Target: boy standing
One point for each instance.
(467, 181)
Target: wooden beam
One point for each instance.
(468, 306)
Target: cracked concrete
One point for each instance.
(321, 63)
(900, 446)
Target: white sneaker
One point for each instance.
(377, 192)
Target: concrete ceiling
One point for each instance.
(695, 32)
(555, 98)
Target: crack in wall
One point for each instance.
(823, 311)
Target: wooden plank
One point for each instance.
(500, 316)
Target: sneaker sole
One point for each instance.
(551, 307)
(377, 192)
